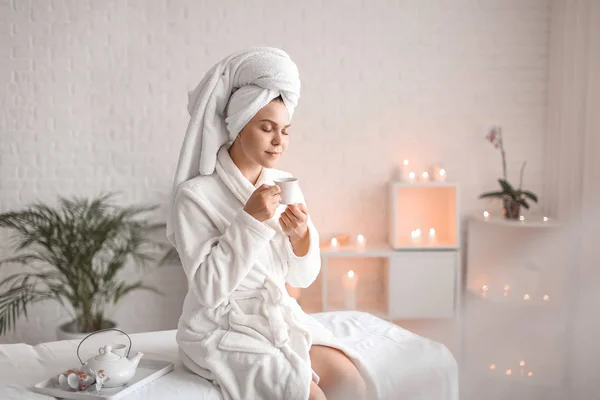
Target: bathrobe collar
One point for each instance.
(240, 186)
(233, 178)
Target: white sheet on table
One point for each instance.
(406, 365)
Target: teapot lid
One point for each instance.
(107, 355)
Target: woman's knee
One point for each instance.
(347, 384)
(316, 393)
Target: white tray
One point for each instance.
(146, 372)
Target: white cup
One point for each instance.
(289, 190)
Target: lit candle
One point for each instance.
(425, 177)
(521, 218)
(545, 220)
(360, 241)
(416, 236)
(506, 288)
(522, 363)
(486, 216)
(546, 298)
(526, 297)
(530, 374)
(493, 367)
(334, 243)
(412, 177)
(431, 236)
(439, 173)
(485, 288)
(349, 283)
(508, 372)
(405, 171)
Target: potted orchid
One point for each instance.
(512, 198)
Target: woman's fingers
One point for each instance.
(283, 224)
(275, 199)
(296, 212)
(286, 218)
(303, 208)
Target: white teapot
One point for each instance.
(111, 369)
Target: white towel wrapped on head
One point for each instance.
(226, 99)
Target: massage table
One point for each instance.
(406, 366)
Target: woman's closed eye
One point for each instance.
(268, 130)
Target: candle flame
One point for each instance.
(405, 163)
(350, 274)
(442, 172)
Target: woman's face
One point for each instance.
(265, 137)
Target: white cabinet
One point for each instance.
(422, 284)
(421, 274)
(516, 309)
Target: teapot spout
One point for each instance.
(135, 360)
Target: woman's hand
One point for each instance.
(294, 222)
(263, 202)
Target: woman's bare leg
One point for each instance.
(316, 393)
(339, 378)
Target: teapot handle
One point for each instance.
(103, 330)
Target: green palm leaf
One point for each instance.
(74, 254)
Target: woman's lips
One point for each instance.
(273, 153)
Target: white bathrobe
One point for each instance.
(239, 327)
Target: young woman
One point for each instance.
(239, 246)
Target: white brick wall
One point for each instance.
(93, 96)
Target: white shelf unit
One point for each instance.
(515, 308)
(421, 280)
(424, 206)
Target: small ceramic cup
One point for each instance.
(289, 190)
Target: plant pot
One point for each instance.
(68, 331)
(512, 209)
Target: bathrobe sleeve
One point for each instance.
(302, 271)
(214, 263)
